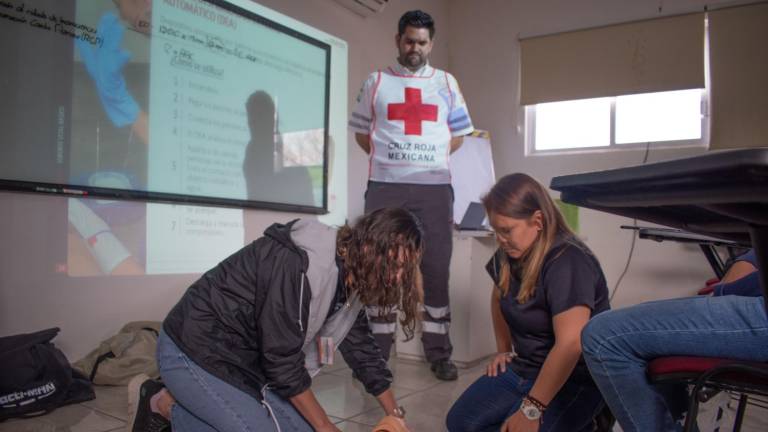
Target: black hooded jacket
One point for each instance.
(244, 321)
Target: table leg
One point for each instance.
(759, 237)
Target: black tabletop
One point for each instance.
(718, 194)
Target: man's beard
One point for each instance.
(413, 61)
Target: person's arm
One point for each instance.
(459, 121)
(388, 402)
(738, 270)
(500, 328)
(309, 408)
(741, 278)
(106, 248)
(361, 119)
(364, 141)
(361, 353)
(558, 365)
(104, 63)
(504, 352)
(456, 142)
(280, 337)
(141, 127)
(363, 356)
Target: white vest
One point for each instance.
(410, 138)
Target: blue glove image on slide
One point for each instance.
(105, 65)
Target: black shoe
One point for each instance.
(140, 391)
(445, 370)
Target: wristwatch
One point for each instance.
(532, 409)
(399, 412)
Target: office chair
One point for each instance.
(709, 376)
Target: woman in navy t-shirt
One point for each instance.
(548, 284)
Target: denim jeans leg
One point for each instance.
(183, 420)
(574, 407)
(484, 405)
(207, 403)
(490, 401)
(618, 344)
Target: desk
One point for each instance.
(720, 194)
(706, 243)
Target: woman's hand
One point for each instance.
(499, 362)
(519, 423)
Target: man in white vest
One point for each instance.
(409, 118)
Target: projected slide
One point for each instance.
(241, 106)
(172, 100)
(186, 101)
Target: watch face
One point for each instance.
(530, 412)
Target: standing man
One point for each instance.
(409, 118)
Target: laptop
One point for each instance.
(473, 218)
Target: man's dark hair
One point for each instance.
(417, 19)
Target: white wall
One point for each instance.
(33, 228)
(484, 56)
(477, 41)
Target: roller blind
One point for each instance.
(641, 57)
(739, 77)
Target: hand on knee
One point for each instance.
(162, 403)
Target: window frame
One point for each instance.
(530, 132)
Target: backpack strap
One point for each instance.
(99, 359)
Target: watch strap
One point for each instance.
(535, 402)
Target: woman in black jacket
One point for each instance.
(239, 349)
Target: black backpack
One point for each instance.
(35, 376)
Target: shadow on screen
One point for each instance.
(266, 177)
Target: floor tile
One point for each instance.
(71, 418)
(350, 426)
(344, 397)
(112, 400)
(415, 376)
(408, 375)
(426, 410)
(476, 369)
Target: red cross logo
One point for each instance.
(412, 112)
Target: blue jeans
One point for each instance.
(207, 404)
(618, 345)
(489, 401)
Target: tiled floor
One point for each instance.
(425, 399)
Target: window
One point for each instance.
(672, 118)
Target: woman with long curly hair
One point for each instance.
(547, 285)
(239, 350)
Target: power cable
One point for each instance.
(634, 238)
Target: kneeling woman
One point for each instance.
(547, 286)
(239, 350)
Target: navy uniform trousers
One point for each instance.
(433, 205)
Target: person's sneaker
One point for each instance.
(445, 370)
(143, 419)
